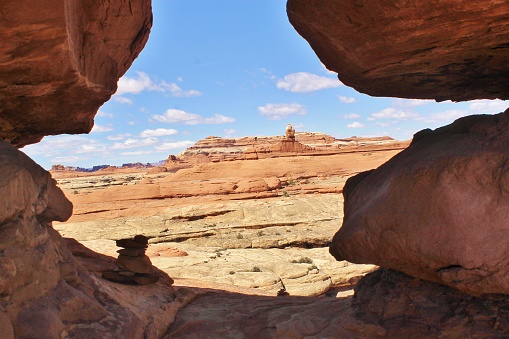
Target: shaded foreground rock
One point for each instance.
(60, 61)
(438, 210)
(386, 304)
(45, 292)
(439, 50)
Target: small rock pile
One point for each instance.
(133, 266)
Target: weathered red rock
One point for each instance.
(437, 210)
(60, 61)
(47, 291)
(386, 304)
(411, 49)
(135, 264)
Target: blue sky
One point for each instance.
(232, 69)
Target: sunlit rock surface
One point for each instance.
(438, 210)
(60, 61)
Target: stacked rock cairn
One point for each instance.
(133, 266)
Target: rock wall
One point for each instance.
(61, 60)
(440, 49)
(48, 292)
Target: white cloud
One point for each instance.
(132, 143)
(182, 117)
(328, 70)
(67, 159)
(346, 100)
(159, 132)
(355, 124)
(65, 148)
(278, 111)
(168, 146)
(132, 123)
(270, 75)
(445, 117)
(229, 132)
(137, 153)
(351, 116)
(303, 82)
(123, 100)
(104, 114)
(488, 106)
(143, 82)
(298, 126)
(119, 136)
(392, 113)
(410, 102)
(382, 124)
(176, 91)
(101, 128)
(130, 85)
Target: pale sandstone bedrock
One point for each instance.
(443, 50)
(438, 210)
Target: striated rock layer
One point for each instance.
(437, 210)
(61, 60)
(45, 291)
(443, 50)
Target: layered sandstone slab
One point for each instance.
(61, 60)
(439, 50)
(437, 210)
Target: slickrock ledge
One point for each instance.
(442, 50)
(61, 60)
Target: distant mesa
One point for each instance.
(217, 149)
(292, 143)
(137, 165)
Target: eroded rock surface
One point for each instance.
(437, 210)
(386, 304)
(241, 223)
(411, 49)
(60, 61)
(45, 292)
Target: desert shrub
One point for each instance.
(232, 272)
(259, 233)
(240, 236)
(285, 194)
(256, 269)
(305, 260)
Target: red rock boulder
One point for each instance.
(438, 210)
(443, 50)
(61, 60)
